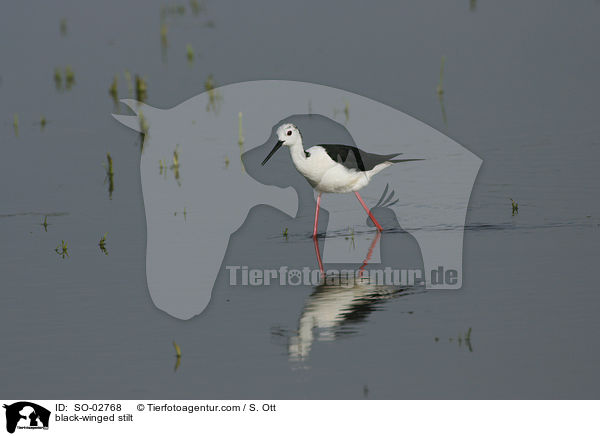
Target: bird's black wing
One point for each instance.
(354, 158)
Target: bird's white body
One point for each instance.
(326, 175)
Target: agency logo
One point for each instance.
(26, 415)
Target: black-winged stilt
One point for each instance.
(333, 168)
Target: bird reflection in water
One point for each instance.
(338, 305)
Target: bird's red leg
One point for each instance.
(318, 252)
(368, 211)
(369, 254)
(317, 215)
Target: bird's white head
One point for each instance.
(288, 135)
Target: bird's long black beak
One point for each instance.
(277, 147)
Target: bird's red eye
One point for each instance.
(289, 133)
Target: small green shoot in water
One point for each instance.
(285, 233)
(164, 30)
(241, 139)
(468, 339)
(473, 5)
(141, 89)
(240, 135)
(195, 6)
(45, 223)
(175, 166)
(189, 50)
(351, 238)
(214, 97)
(226, 162)
(43, 121)
(63, 27)
(336, 111)
(460, 339)
(113, 90)
(58, 79)
(440, 92)
(177, 355)
(110, 175)
(16, 124)
(440, 87)
(69, 77)
(62, 249)
(515, 207)
(102, 244)
(347, 111)
(144, 127)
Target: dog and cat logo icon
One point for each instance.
(26, 415)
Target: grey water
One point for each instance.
(521, 92)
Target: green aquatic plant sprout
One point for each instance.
(62, 249)
(45, 223)
(336, 111)
(515, 207)
(69, 77)
(43, 121)
(177, 349)
(141, 89)
(16, 123)
(240, 140)
(189, 50)
(113, 90)
(164, 30)
(347, 111)
(58, 79)
(195, 6)
(175, 166)
(240, 135)
(468, 339)
(177, 355)
(144, 127)
(102, 244)
(460, 339)
(214, 97)
(440, 92)
(110, 175)
(285, 233)
(350, 238)
(63, 27)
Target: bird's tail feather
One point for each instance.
(403, 160)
